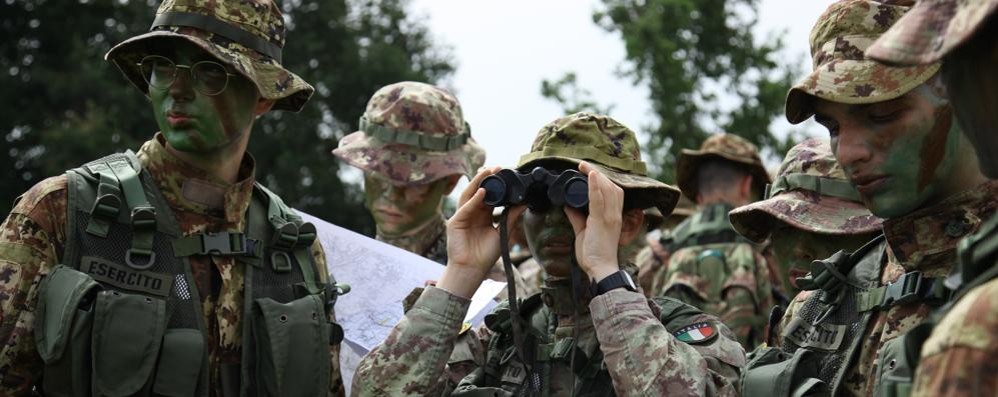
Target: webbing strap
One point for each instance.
(824, 186)
(107, 206)
(590, 153)
(291, 235)
(418, 139)
(143, 215)
(514, 304)
(911, 287)
(221, 28)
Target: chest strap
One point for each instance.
(220, 244)
(911, 287)
(118, 176)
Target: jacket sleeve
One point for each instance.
(644, 358)
(413, 358)
(30, 246)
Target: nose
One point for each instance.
(556, 217)
(183, 85)
(851, 148)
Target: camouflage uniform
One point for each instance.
(413, 134)
(812, 194)
(711, 267)
(957, 359)
(33, 238)
(653, 257)
(621, 338)
(849, 332)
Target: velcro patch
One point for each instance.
(696, 333)
(125, 277)
(825, 337)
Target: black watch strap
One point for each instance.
(620, 279)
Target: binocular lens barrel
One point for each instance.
(577, 193)
(495, 190)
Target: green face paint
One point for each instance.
(197, 123)
(551, 240)
(795, 249)
(399, 209)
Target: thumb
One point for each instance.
(577, 219)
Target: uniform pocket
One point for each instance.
(179, 363)
(292, 342)
(127, 335)
(895, 371)
(63, 321)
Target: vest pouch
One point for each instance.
(773, 373)
(894, 370)
(62, 330)
(127, 335)
(179, 363)
(292, 341)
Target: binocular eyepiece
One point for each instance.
(540, 189)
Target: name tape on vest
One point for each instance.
(826, 337)
(124, 277)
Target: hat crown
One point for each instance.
(847, 28)
(260, 18)
(731, 146)
(416, 107)
(591, 137)
(812, 157)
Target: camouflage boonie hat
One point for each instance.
(931, 30)
(841, 73)
(248, 35)
(607, 145)
(811, 193)
(719, 146)
(411, 134)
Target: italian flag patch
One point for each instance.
(696, 333)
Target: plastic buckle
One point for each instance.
(306, 234)
(223, 243)
(904, 290)
(285, 236)
(106, 206)
(144, 217)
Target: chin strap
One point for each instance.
(514, 305)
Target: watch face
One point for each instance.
(627, 279)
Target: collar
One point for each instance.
(419, 240)
(190, 189)
(926, 239)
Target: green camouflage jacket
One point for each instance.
(428, 354)
(33, 236)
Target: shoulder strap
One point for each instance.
(292, 235)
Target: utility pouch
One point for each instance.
(895, 368)
(127, 336)
(179, 363)
(292, 342)
(62, 330)
(772, 372)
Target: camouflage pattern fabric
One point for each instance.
(429, 242)
(719, 146)
(33, 236)
(259, 19)
(924, 240)
(802, 207)
(402, 119)
(737, 287)
(841, 73)
(931, 30)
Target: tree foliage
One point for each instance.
(705, 69)
(64, 105)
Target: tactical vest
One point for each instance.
(821, 341)
(122, 314)
(708, 226)
(504, 373)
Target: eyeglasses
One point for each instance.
(210, 78)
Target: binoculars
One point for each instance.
(540, 189)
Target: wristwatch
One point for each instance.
(620, 279)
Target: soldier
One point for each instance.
(653, 257)
(620, 341)
(894, 134)
(413, 146)
(810, 212)
(171, 271)
(958, 358)
(711, 266)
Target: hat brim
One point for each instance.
(639, 191)
(689, 161)
(408, 165)
(803, 210)
(853, 82)
(288, 90)
(930, 30)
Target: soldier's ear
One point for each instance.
(632, 223)
(263, 105)
(451, 183)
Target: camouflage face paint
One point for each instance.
(971, 76)
(900, 154)
(196, 123)
(795, 249)
(398, 209)
(551, 240)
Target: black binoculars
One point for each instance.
(540, 189)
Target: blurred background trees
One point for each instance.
(63, 105)
(705, 69)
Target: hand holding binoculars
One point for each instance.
(540, 189)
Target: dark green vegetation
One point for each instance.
(62, 105)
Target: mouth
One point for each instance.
(560, 244)
(868, 184)
(178, 119)
(390, 215)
